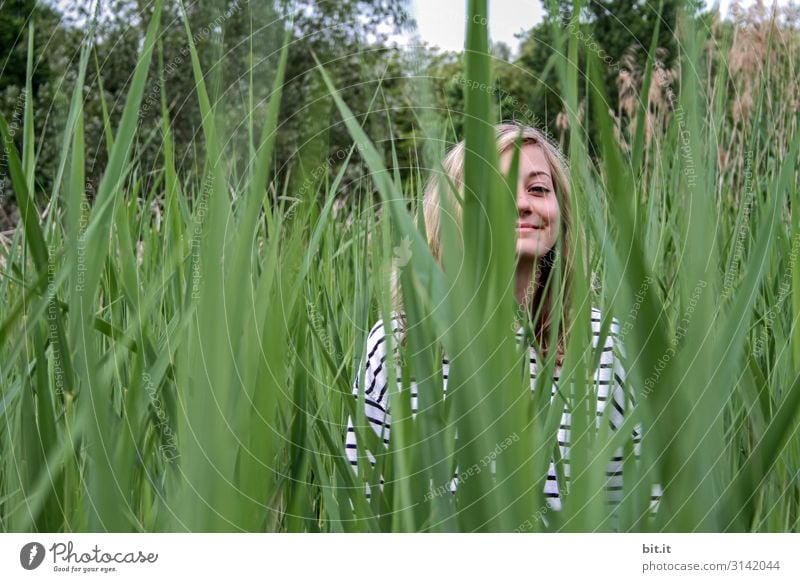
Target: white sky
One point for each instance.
(442, 22)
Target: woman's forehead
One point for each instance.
(532, 161)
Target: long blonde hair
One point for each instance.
(544, 295)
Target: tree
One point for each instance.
(52, 47)
(237, 41)
(349, 38)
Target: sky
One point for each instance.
(442, 22)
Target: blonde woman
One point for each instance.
(544, 214)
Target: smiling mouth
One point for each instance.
(528, 227)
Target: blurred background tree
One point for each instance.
(350, 37)
(354, 39)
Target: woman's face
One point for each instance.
(538, 214)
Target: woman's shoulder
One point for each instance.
(378, 329)
(598, 321)
(376, 337)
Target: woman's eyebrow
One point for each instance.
(534, 173)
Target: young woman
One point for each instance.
(544, 215)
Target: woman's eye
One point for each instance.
(538, 190)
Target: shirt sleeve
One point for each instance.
(376, 397)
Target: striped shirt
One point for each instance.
(609, 379)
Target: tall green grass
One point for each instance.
(192, 370)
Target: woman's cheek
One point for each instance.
(555, 219)
(553, 210)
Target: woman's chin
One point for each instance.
(528, 251)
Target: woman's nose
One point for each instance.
(523, 201)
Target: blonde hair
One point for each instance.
(544, 296)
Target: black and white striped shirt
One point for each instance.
(609, 378)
